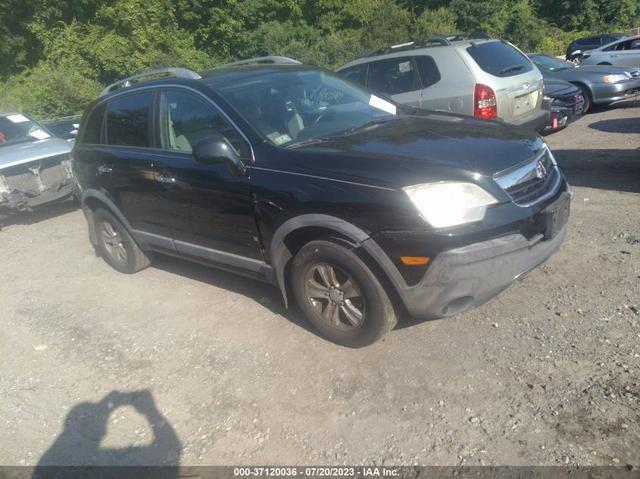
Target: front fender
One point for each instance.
(280, 255)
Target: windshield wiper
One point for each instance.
(365, 126)
(512, 68)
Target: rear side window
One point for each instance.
(429, 73)
(128, 120)
(394, 76)
(93, 126)
(355, 74)
(500, 59)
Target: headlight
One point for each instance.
(450, 203)
(614, 78)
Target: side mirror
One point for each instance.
(216, 149)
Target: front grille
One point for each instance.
(530, 190)
(532, 182)
(570, 99)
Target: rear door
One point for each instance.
(514, 78)
(396, 78)
(126, 163)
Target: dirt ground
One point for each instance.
(181, 364)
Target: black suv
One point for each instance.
(348, 203)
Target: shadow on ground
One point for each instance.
(604, 169)
(617, 125)
(267, 295)
(85, 428)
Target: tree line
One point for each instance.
(56, 55)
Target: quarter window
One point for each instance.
(93, 126)
(393, 76)
(186, 119)
(355, 74)
(128, 120)
(429, 73)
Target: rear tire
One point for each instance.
(340, 295)
(116, 246)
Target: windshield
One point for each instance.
(550, 64)
(292, 107)
(18, 128)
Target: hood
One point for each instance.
(411, 149)
(591, 73)
(554, 87)
(18, 153)
(603, 69)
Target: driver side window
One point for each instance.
(186, 119)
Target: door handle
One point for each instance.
(103, 169)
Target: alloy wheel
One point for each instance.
(336, 296)
(113, 242)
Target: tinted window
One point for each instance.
(355, 74)
(393, 76)
(186, 119)
(93, 126)
(428, 70)
(500, 59)
(128, 120)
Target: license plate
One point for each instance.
(525, 103)
(556, 216)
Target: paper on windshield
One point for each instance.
(17, 118)
(39, 134)
(380, 104)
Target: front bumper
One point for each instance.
(468, 275)
(27, 186)
(464, 278)
(611, 92)
(563, 113)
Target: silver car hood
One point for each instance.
(11, 155)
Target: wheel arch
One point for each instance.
(93, 199)
(297, 231)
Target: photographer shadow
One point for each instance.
(78, 451)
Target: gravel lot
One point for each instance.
(181, 364)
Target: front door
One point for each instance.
(211, 205)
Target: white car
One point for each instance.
(624, 52)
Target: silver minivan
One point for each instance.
(485, 78)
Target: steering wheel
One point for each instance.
(322, 116)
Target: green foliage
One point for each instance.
(47, 92)
(55, 55)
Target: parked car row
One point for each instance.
(491, 79)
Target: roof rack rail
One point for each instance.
(129, 81)
(270, 59)
(426, 42)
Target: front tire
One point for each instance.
(116, 246)
(588, 101)
(340, 295)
